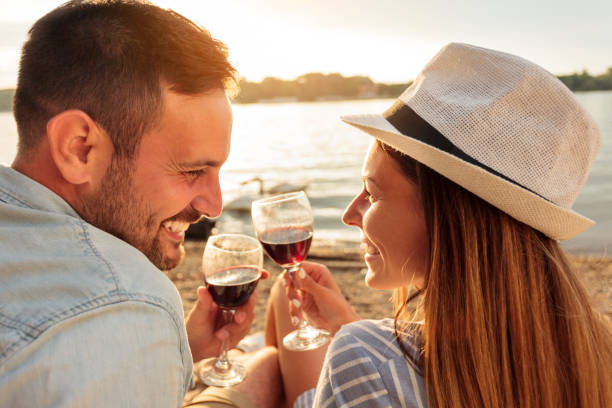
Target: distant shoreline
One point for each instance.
(342, 99)
(318, 87)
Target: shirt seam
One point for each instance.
(97, 253)
(95, 304)
(83, 308)
(10, 196)
(27, 333)
(14, 196)
(166, 305)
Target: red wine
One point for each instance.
(286, 246)
(231, 287)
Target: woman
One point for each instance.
(467, 189)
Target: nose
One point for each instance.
(208, 199)
(353, 214)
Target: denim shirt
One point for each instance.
(85, 319)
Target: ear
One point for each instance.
(80, 149)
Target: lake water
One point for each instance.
(306, 143)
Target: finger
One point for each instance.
(298, 277)
(316, 274)
(204, 298)
(308, 304)
(309, 285)
(222, 334)
(286, 279)
(240, 324)
(319, 284)
(291, 292)
(316, 270)
(295, 305)
(289, 287)
(236, 332)
(240, 317)
(247, 311)
(204, 308)
(264, 274)
(295, 302)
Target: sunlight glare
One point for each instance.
(261, 44)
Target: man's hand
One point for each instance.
(204, 336)
(321, 299)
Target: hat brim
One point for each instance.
(554, 221)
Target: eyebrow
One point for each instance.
(371, 180)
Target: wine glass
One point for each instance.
(283, 224)
(232, 265)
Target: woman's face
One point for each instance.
(389, 213)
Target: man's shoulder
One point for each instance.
(131, 271)
(56, 266)
(100, 355)
(58, 253)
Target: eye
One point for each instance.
(193, 174)
(369, 196)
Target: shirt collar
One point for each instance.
(21, 190)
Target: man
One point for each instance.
(123, 125)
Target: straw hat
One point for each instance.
(499, 126)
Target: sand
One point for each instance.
(345, 262)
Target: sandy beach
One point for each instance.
(347, 267)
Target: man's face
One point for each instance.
(172, 181)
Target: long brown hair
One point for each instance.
(507, 323)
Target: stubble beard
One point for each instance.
(117, 209)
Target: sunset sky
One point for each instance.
(387, 40)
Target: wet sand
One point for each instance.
(347, 267)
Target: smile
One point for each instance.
(370, 252)
(176, 229)
(369, 249)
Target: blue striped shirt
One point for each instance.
(364, 367)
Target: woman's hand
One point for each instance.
(320, 298)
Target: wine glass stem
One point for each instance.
(222, 364)
(302, 328)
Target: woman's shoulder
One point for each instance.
(381, 325)
(377, 339)
(364, 364)
(369, 329)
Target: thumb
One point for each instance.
(205, 303)
(309, 285)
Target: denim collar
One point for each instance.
(19, 189)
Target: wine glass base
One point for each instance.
(211, 376)
(306, 339)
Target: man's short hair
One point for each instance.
(110, 59)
